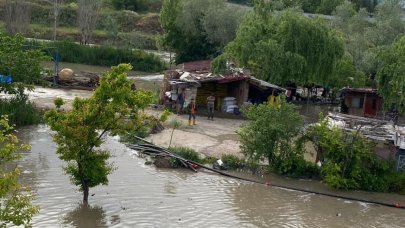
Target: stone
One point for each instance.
(66, 74)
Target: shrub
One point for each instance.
(20, 111)
(232, 161)
(274, 133)
(186, 153)
(350, 163)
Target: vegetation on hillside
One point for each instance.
(108, 56)
(133, 28)
(196, 29)
(391, 74)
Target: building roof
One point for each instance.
(199, 72)
(202, 66)
(360, 90)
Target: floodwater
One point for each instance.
(145, 196)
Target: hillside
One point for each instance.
(124, 28)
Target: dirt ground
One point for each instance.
(211, 138)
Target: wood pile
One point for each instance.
(83, 80)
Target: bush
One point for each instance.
(186, 153)
(20, 112)
(137, 40)
(350, 163)
(274, 133)
(232, 161)
(108, 56)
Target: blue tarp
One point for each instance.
(6, 79)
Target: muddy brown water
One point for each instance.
(144, 196)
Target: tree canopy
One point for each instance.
(196, 29)
(285, 47)
(391, 75)
(20, 61)
(112, 109)
(15, 206)
(363, 36)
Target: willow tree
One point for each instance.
(285, 46)
(113, 108)
(391, 75)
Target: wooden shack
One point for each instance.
(199, 83)
(363, 102)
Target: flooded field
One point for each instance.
(144, 196)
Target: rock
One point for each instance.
(66, 74)
(162, 162)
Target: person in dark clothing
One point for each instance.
(210, 106)
(180, 102)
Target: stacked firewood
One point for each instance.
(84, 80)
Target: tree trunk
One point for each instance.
(171, 137)
(85, 193)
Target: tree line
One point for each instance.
(283, 45)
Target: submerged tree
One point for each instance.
(15, 200)
(112, 109)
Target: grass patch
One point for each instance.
(186, 153)
(108, 56)
(232, 161)
(20, 112)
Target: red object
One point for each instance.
(195, 166)
(397, 205)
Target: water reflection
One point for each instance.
(85, 216)
(144, 196)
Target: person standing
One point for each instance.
(180, 102)
(191, 111)
(210, 106)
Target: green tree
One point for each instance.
(113, 108)
(349, 160)
(391, 75)
(15, 206)
(272, 133)
(363, 35)
(197, 29)
(328, 6)
(285, 47)
(135, 5)
(21, 62)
